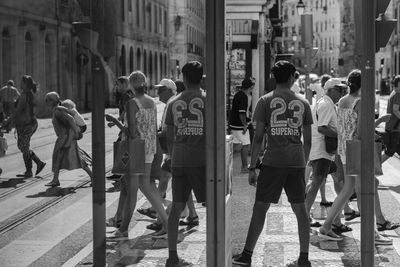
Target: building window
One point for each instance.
(123, 10)
(165, 65)
(149, 16)
(165, 23)
(65, 65)
(156, 72)
(138, 59)
(156, 19)
(28, 54)
(143, 14)
(6, 54)
(131, 60)
(151, 68)
(145, 63)
(137, 13)
(130, 5)
(122, 61)
(48, 66)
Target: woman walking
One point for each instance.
(26, 125)
(66, 154)
(348, 129)
(140, 120)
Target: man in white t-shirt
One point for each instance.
(325, 124)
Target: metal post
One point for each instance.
(307, 39)
(98, 134)
(98, 151)
(368, 8)
(261, 49)
(215, 134)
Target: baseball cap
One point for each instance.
(247, 83)
(167, 83)
(332, 82)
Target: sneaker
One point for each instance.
(239, 260)
(179, 263)
(382, 240)
(162, 234)
(117, 236)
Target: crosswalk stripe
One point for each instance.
(82, 254)
(33, 244)
(17, 203)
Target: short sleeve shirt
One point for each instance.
(240, 105)
(324, 114)
(186, 113)
(394, 123)
(284, 114)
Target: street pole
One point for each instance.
(261, 49)
(368, 8)
(307, 39)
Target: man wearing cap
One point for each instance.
(238, 121)
(325, 124)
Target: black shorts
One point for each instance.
(323, 167)
(392, 143)
(186, 179)
(272, 180)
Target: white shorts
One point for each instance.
(240, 138)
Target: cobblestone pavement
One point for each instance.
(278, 244)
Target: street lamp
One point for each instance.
(307, 42)
(300, 7)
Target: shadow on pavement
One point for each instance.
(54, 192)
(11, 182)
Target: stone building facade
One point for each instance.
(37, 39)
(333, 31)
(186, 34)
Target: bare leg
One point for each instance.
(190, 205)
(152, 195)
(256, 224)
(303, 225)
(130, 202)
(122, 198)
(378, 210)
(339, 202)
(244, 153)
(322, 191)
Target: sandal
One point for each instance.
(154, 226)
(52, 184)
(387, 225)
(329, 235)
(111, 222)
(351, 215)
(148, 212)
(326, 204)
(341, 229)
(189, 221)
(314, 223)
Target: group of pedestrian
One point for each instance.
(68, 124)
(176, 150)
(290, 124)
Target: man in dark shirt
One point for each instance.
(239, 122)
(284, 117)
(185, 120)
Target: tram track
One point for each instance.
(18, 220)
